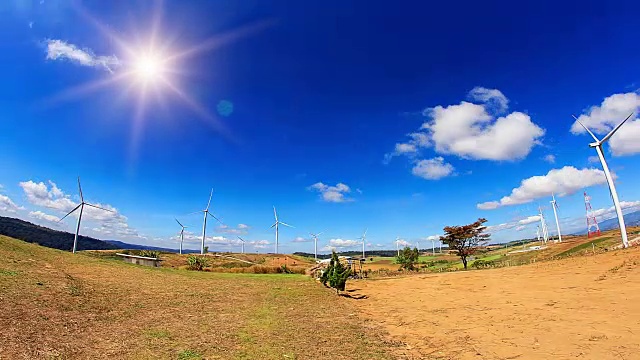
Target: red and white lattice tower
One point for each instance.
(592, 224)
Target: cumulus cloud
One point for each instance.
(593, 159)
(241, 229)
(7, 205)
(529, 220)
(490, 96)
(50, 196)
(300, 239)
(521, 228)
(402, 243)
(500, 227)
(332, 193)
(626, 206)
(602, 119)
(551, 159)
(432, 169)
(259, 244)
(343, 243)
(62, 50)
(433, 237)
(44, 217)
(564, 181)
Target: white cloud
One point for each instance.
(559, 181)
(529, 220)
(402, 243)
(626, 206)
(551, 159)
(343, 243)
(300, 239)
(521, 228)
(7, 205)
(241, 229)
(602, 119)
(593, 159)
(500, 227)
(110, 222)
(490, 96)
(332, 193)
(43, 216)
(59, 49)
(433, 237)
(260, 244)
(473, 131)
(432, 169)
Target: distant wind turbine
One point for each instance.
(241, 239)
(181, 235)
(206, 213)
(278, 222)
(363, 238)
(315, 244)
(612, 187)
(554, 204)
(398, 245)
(81, 206)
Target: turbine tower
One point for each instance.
(398, 245)
(181, 235)
(543, 226)
(363, 238)
(241, 239)
(612, 187)
(81, 206)
(554, 205)
(278, 222)
(538, 232)
(204, 223)
(433, 246)
(315, 245)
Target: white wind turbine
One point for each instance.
(81, 206)
(204, 223)
(538, 232)
(278, 222)
(363, 238)
(543, 226)
(181, 235)
(398, 245)
(241, 239)
(315, 245)
(612, 188)
(554, 204)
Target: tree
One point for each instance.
(408, 258)
(466, 239)
(336, 274)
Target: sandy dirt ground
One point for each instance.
(576, 308)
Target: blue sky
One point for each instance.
(397, 117)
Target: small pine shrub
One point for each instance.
(149, 253)
(197, 263)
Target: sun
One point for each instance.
(149, 67)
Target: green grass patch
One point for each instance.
(189, 355)
(158, 334)
(582, 247)
(4, 272)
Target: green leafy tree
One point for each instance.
(408, 258)
(336, 274)
(206, 249)
(466, 240)
(197, 262)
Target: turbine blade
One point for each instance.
(241, 239)
(285, 224)
(275, 214)
(69, 213)
(320, 233)
(195, 212)
(210, 196)
(98, 207)
(274, 224)
(365, 232)
(214, 217)
(616, 128)
(179, 223)
(589, 131)
(80, 190)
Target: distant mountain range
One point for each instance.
(630, 219)
(62, 240)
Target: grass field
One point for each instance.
(56, 305)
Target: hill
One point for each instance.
(127, 246)
(630, 219)
(26, 231)
(57, 305)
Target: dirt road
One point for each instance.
(579, 308)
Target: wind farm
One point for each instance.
(382, 185)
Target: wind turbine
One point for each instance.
(554, 205)
(612, 188)
(543, 226)
(81, 206)
(315, 245)
(204, 223)
(241, 239)
(398, 245)
(363, 238)
(278, 222)
(538, 232)
(181, 235)
(433, 246)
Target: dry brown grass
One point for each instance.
(56, 305)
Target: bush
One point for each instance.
(149, 253)
(197, 262)
(336, 274)
(408, 258)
